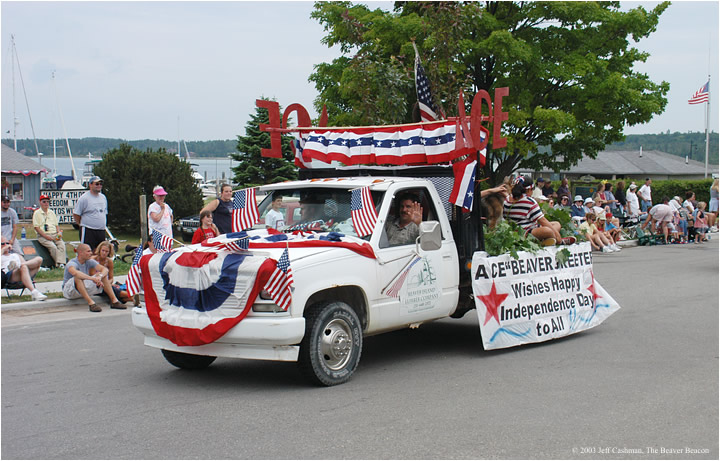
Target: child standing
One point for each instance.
(207, 229)
(701, 226)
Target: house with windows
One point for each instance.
(21, 180)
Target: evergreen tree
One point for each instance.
(255, 170)
(128, 172)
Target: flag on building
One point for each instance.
(702, 95)
(428, 110)
(245, 211)
(279, 283)
(161, 242)
(464, 186)
(363, 211)
(393, 289)
(133, 281)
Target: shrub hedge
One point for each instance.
(668, 187)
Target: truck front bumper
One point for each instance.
(260, 338)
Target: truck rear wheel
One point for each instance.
(188, 361)
(330, 350)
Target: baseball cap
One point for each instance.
(5, 198)
(540, 180)
(633, 186)
(44, 197)
(158, 190)
(95, 179)
(578, 198)
(601, 216)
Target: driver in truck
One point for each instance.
(403, 229)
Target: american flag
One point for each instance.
(134, 277)
(363, 211)
(702, 95)
(279, 283)
(464, 185)
(428, 110)
(394, 289)
(162, 242)
(245, 211)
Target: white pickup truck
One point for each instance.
(341, 294)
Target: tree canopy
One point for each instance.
(569, 67)
(255, 170)
(128, 172)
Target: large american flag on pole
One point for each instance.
(279, 283)
(428, 110)
(244, 211)
(702, 95)
(363, 211)
(134, 277)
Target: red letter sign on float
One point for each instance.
(273, 109)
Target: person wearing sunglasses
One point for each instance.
(48, 230)
(90, 214)
(16, 269)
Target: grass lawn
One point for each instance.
(27, 297)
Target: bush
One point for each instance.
(128, 173)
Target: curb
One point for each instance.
(60, 303)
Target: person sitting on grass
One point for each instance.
(611, 231)
(597, 239)
(525, 211)
(85, 277)
(16, 269)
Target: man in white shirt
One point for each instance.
(645, 194)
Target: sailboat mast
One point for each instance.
(15, 119)
(62, 123)
(27, 104)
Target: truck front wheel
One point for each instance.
(188, 361)
(330, 350)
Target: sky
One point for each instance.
(192, 70)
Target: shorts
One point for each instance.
(663, 216)
(70, 291)
(92, 237)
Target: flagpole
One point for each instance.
(707, 130)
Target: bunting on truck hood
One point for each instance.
(195, 297)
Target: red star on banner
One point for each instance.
(492, 301)
(591, 289)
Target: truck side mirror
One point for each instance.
(430, 236)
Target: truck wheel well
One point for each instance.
(351, 295)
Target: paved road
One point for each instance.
(81, 385)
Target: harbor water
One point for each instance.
(209, 168)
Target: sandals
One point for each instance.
(94, 308)
(118, 305)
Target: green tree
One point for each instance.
(128, 173)
(255, 170)
(569, 67)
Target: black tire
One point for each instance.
(188, 361)
(330, 350)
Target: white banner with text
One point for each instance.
(537, 297)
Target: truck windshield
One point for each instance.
(315, 209)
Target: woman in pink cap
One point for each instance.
(160, 215)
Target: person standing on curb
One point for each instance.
(160, 215)
(48, 231)
(10, 224)
(90, 214)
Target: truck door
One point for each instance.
(413, 287)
